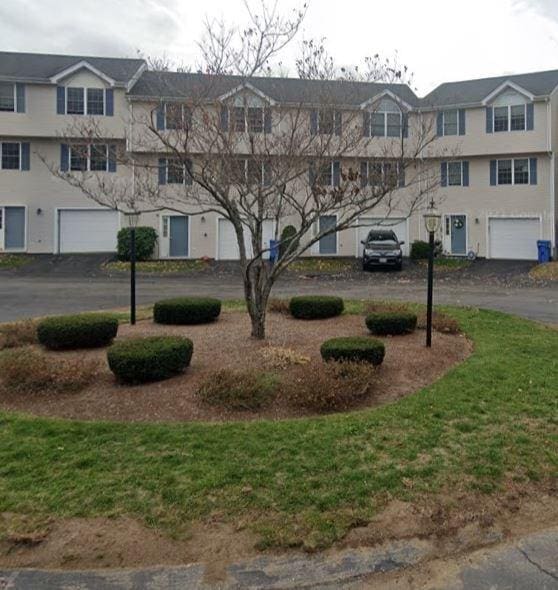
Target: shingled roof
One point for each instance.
(40, 67)
(281, 90)
(539, 84)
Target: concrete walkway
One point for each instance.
(530, 563)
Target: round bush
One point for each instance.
(77, 331)
(146, 238)
(391, 323)
(315, 307)
(186, 310)
(354, 349)
(140, 360)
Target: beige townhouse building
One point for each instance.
(494, 153)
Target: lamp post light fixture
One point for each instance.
(133, 218)
(432, 221)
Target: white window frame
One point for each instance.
(1, 156)
(457, 128)
(88, 167)
(509, 107)
(385, 115)
(319, 174)
(84, 90)
(318, 118)
(245, 108)
(184, 172)
(14, 110)
(513, 183)
(460, 162)
(383, 164)
(183, 116)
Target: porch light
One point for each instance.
(133, 218)
(432, 219)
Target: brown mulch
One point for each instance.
(408, 366)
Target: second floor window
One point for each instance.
(95, 101)
(10, 156)
(94, 158)
(85, 101)
(455, 173)
(385, 124)
(7, 97)
(450, 122)
(376, 173)
(177, 116)
(174, 171)
(510, 118)
(325, 122)
(249, 119)
(247, 171)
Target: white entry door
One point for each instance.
(397, 225)
(87, 230)
(514, 238)
(227, 248)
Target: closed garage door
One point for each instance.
(87, 230)
(514, 237)
(399, 226)
(228, 247)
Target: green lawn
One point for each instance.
(14, 260)
(157, 266)
(492, 419)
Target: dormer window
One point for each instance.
(249, 119)
(386, 121)
(509, 109)
(84, 101)
(510, 118)
(7, 97)
(75, 102)
(95, 101)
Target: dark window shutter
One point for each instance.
(440, 124)
(188, 172)
(366, 124)
(60, 100)
(112, 158)
(25, 156)
(493, 173)
(461, 114)
(337, 122)
(465, 173)
(267, 173)
(109, 102)
(405, 123)
(160, 118)
(363, 174)
(313, 122)
(444, 174)
(530, 116)
(267, 120)
(336, 173)
(20, 98)
(224, 118)
(532, 170)
(489, 119)
(312, 174)
(64, 157)
(162, 171)
(188, 117)
(401, 171)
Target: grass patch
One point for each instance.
(547, 271)
(325, 265)
(489, 420)
(158, 266)
(14, 260)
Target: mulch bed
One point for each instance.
(408, 366)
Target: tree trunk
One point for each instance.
(257, 287)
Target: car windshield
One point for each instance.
(383, 238)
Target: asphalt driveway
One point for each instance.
(52, 285)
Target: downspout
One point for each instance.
(553, 220)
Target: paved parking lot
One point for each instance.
(76, 284)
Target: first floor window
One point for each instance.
(7, 96)
(94, 157)
(75, 104)
(455, 173)
(505, 174)
(380, 173)
(11, 156)
(521, 171)
(175, 172)
(78, 158)
(95, 101)
(325, 175)
(99, 158)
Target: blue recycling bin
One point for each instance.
(544, 247)
(273, 251)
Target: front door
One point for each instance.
(456, 231)
(14, 228)
(178, 236)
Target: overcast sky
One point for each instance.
(440, 41)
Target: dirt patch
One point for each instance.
(408, 366)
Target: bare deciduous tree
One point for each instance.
(262, 158)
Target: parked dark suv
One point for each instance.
(382, 248)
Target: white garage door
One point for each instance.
(514, 237)
(87, 230)
(399, 226)
(227, 244)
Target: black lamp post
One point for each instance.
(133, 218)
(432, 222)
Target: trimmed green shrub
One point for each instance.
(419, 250)
(391, 323)
(315, 307)
(140, 360)
(354, 349)
(186, 310)
(146, 238)
(287, 236)
(87, 330)
(237, 389)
